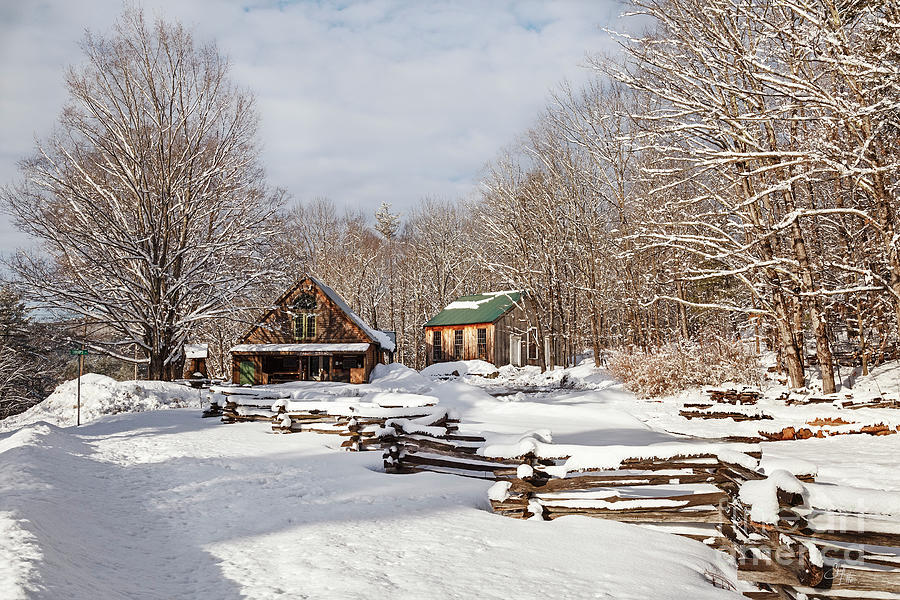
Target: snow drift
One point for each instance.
(102, 395)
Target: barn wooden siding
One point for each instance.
(333, 326)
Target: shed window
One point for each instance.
(436, 349)
(458, 343)
(482, 342)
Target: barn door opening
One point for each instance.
(247, 373)
(515, 350)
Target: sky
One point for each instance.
(362, 102)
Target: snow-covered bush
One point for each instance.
(680, 365)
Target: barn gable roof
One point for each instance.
(379, 337)
(478, 308)
(376, 335)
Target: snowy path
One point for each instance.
(166, 505)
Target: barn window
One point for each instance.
(436, 349)
(304, 322)
(305, 302)
(458, 343)
(482, 342)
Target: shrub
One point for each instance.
(678, 366)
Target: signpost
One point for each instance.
(81, 354)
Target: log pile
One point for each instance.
(818, 551)
(715, 414)
(804, 433)
(848, 402)
(730, 396)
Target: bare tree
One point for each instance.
(149, 201)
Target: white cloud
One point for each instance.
(360, 101)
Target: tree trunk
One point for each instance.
(790, 352)
(682, 309)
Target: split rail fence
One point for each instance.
(822, 541)
(690, 490)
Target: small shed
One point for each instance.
(195, 356)
(310, 334)
(491, 326)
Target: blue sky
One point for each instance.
(362, 102)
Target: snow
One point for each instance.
(196, 351)
(235, 511)
(19, 553)
(762, 495)
(466, 304)
(102, 395)
(475, 304)
(499, 491)
(397, 377)
(398, 399)
(355, 347)
(459, 367)
(121, 508)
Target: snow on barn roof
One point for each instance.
(479, 308)
(301, 348)
(377, 336)
(196, 351)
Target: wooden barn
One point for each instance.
(493, 327)
(310, 334)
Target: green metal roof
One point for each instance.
(480, 308)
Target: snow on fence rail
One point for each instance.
(798, 537)
(358, 419)
(410, 447)
(684, 484)
(359, 422)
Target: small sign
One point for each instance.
(78, 352)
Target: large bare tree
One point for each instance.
(148, 201)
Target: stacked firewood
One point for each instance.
(804, 433)
(718, 414)
(731, 396)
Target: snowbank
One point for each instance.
(584, 375)
(460, 368)
(398, 378)
(102, 395)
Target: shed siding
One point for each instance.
(514, 322)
